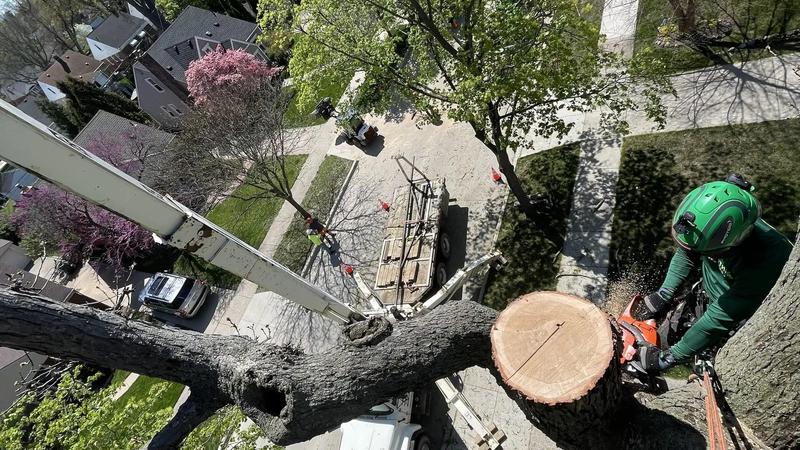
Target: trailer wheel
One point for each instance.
(441, 274)
(422, 442)
(444, 245)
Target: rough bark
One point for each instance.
(291, 396)
(759, 366)
(674, 420)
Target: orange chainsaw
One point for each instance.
(636, 333)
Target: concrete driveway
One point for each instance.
(448, 151)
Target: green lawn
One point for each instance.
(249, 220)
(118, 377)
(295, 246)
(532, 259)
(653, 12)
(657, 170)
(140, 390)
(222, 430)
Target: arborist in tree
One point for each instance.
(312, 223)
(717, 227)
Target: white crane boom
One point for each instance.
(51, 157)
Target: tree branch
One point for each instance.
(291, 396)
(189, 416)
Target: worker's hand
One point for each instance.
(650, 306)
(654, 360)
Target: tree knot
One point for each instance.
(368, 332)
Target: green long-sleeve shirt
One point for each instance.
(736, 285)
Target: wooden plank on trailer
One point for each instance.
(387, 275)
(427, 249)
(415, 247)
(410, 272)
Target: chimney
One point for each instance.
(63, 64)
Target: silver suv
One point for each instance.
(174, 294)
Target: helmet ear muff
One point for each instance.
(740, 181)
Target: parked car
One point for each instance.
(174, 294)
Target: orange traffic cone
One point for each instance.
(348, 269)
(496, 176)
(384, 205)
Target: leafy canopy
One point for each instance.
(504, 67)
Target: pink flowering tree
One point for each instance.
(78, 228)
(238, 122)
(223, 72)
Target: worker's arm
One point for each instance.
(680, 267)
(655, 303)
(719, 320)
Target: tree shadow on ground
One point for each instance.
(532, 258)
(584, 254)
(730, 94)
(456, 229)
(438, 424)
(399, 110)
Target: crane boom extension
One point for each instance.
(58, 160)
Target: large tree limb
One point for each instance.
(291, 396)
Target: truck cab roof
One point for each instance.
(165, 288)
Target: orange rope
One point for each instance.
(716, 434)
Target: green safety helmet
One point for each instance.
(716, 216)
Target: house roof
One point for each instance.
(9, 355)
(179, 44)
(135, 136)
(72, 64)
(117, 30)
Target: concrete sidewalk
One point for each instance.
(584, 257)
(316, 140)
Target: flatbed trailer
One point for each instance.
(410, 262)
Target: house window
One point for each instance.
(170, 113)
(207, 48)
(175, 109)
(155, 85)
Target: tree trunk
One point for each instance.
(528, 207)
(297, 206)
(687, 16)
(507, 169)
(514, 185)
(558, 356)
(291, 396)
(759, 367)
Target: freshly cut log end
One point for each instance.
(558, 356)
(552, 348)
